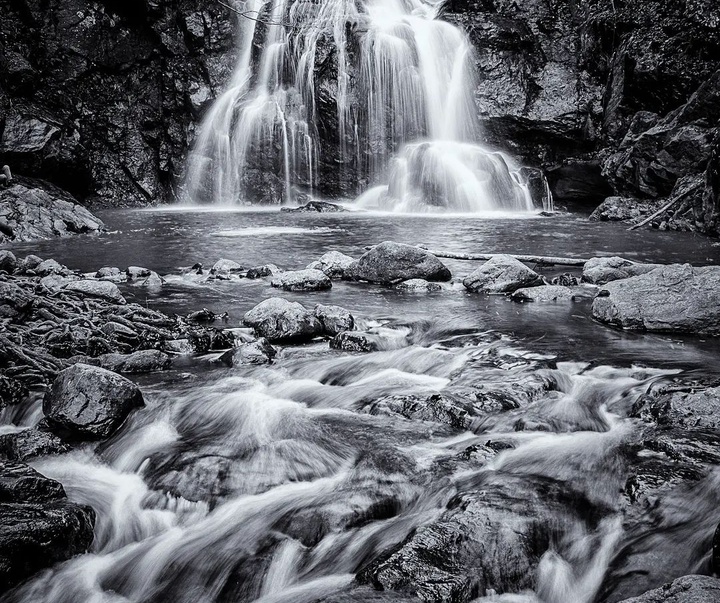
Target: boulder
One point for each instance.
(88, 402)
(112, 274)
(31, 443)
(264, 270)
(675, 298)
(254, 352)
(390, 263)
(600, 271)
(48, 267)
(54, 282)
(302, 280)
(418, 285)
(35, 211)
(501, 274)
(623, 209)
(334, 319)
(544, 294)
(322, 207)
(690, 410)
(19, 482)
(225, 267)
(333, 263)
(355, 341)
(153, 282)
(137, 272)
(688, 589)
(14, 302)
(8, 261)
(100, 289)
(30, 262)
(142, 361)
(278, 319)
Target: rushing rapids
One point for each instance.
(337, 96)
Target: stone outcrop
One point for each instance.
(688, 589)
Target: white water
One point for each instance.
(400, 83)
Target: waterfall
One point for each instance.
(339, 97)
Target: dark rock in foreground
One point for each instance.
(88, 402)
(29, 213)
(623, 209)
(31, 443)
(390, 263)
(688, 589)
(501, 274)
(676, 299)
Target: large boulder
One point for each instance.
(38, 526)
(623, 209)
(302, 280)
(88, 402)
(333, 263)
(501, 274)
(675, 298)
(688, 589)
(334, 319)
(390, 263)
(600, 271)
(278, 319)
(31, 212)
(101, 289)
(256, 352)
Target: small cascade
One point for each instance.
(338, 97)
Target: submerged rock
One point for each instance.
(501, 274)
(333, 263)
(334, 319)
(418, 284)
(137, 272)
(302, 280)
(101, 289)
(322, 207)
(356, 341)
(278, 319)
(688, 589)
(676, 298)
(225, 267)
(264, 270)
(390, 262)
(88, 402)
(600, 271)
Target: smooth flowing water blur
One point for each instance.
(281, 483)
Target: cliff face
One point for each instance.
(101, 98)
(606, 95)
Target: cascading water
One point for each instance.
(335, 97)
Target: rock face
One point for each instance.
(302, 280)
(34, 211)
(676, 299)
(145, 72)
(38, 526)
(278, 319)
(391, 262)
(688, 589)
(501, 274)
(89, 402)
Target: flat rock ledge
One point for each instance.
(31, 211)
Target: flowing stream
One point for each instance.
(381, 91)
(285, 483)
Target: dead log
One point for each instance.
(530, 259)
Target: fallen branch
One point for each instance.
(256, 18)
(530, 259)
(659, 212)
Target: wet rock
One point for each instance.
(31, 443)
(278, 319)
(688, 589)
(180, 347)
(675, 298)
(544, 294)
(137, 272)
(333, 263)
(47, 267)
(224, 267)
(566, 280)
(255, 352)
(29, 213)
(30, 262)
(203, 341)
(600, 271)
(153, 282)
(88, 402)
(417, 285)
(202, 316)
(501, 274)
(101, 289)
(691, 410)
(12, 392)
(14, 302)
(322, 207)
(142, 361)
(447, 409)
(623, 209)
(390, 262)
(302, 280)
(334, 319)
(8, 261)
(261, 271)
(355, 341)
(112, 274)
(21, 483)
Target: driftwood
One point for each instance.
(659, 212)
(530, 259)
